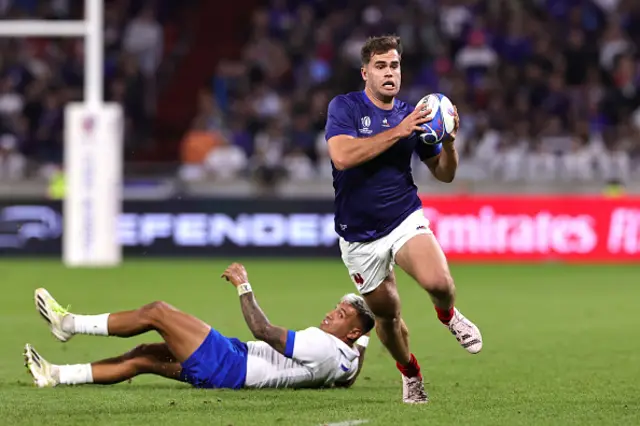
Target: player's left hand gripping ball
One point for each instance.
(444, 122)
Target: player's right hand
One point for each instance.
(236, 274)
(413, 121)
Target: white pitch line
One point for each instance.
(347, 423)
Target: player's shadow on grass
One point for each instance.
(168, 392)
(271, 394)
(129, 387)
(209, 401)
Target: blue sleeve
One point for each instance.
(426, 151)
(291, 341)
(340, 119)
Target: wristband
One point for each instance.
(244, 289)
(363, 341)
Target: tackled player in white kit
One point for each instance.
(372, 137)
(193, 352)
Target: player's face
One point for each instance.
(342, 322)
(382, 74)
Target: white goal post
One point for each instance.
(93, 146)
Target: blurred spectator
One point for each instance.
(198, 143)
(206, 148)
(476, 59)
(546, 89)
(514, 155)
(38, 76)
(537, 84)
(143, 39)
(302, 138)
(578, 162)
(12, 163)
(226, 162)
(541, 163)
(48, 131)
(270, 146)
(209, 112)
(613, 160)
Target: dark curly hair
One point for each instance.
(379, 45)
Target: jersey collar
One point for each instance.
(384, 111)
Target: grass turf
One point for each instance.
(560, 346)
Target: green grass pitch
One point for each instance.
(561, 346)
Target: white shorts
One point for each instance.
(370, 263)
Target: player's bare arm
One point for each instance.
(347, 152)
(444, 166)
(255, 318)
(260, 326)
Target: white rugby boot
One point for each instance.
(39, 368)
(466, 332)
(413, 390)
(53, 313)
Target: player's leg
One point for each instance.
(392, 331)
(384, 302)
(155, 358)
(419, 254)
(369, 265)
(183, 333)
(422, 258)
(145, 359)
(207, 358)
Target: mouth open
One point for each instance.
(389, 85)
(325, 322)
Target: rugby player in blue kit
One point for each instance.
(378, 214)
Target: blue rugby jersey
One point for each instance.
(375, 197)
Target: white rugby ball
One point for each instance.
(442, 118)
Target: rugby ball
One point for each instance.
(442, 118)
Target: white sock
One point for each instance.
(86, 324)
(76, 374)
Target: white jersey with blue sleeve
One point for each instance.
(312, 359)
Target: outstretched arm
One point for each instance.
(255, 318)
(259, 324)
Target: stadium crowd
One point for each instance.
(38, 76)
(546, 89)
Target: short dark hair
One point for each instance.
(379, 45)
(366, 317)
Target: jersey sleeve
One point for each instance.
(309, 346)
(340, 119)
(426, 151)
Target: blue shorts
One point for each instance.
(219, 362)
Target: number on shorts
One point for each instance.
(357, 278)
